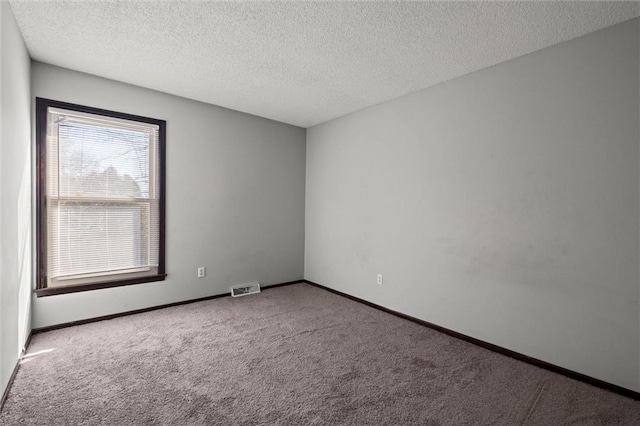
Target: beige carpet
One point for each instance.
(290, 355)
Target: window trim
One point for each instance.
(42, 106)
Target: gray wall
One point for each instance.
(503, 205)
(15, 190)
(235, 197)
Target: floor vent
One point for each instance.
(245, 289)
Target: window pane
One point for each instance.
(103, 162)
(94, 237)
(102, 203)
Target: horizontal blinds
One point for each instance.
(102, 195)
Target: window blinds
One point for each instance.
(102, 198)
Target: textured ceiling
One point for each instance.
(298, 62)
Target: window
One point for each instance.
(100, 202)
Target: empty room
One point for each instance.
(327, 213)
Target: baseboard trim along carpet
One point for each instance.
(292, 355)
(5, 394)
(152, 308)
(495, 348)
(490, 346)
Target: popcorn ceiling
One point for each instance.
(301, 63)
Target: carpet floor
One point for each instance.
(291, 355)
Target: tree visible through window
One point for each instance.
(100, 198)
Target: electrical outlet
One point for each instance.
(201, 271)
(379, 279)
